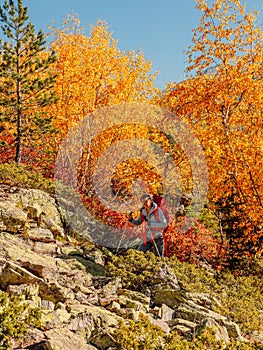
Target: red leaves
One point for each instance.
(195, 244)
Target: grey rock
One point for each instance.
(15, 274)
(165, 278)
(47, 305)
(166, 313)
(169, 297)
(137, 296)
(203, 299)
(221, 332)
(62, 338)
(12, 218)
(40, 234)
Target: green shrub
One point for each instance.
(138, 335)
(210, 221)
(205, 341)
(141, 334)
(241, 297)
(134, 268)
(237, 345)
(21, 176)
(15, 318)
(193, 278)
(242, 300)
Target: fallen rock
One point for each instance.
(20, 251)
(54, 318)
(112, 287)
(12, 218)
(68, 281)
(63, 338)
(221, 332)
(15, 274)
(164, 278)
(169, 297)
(203, 299)
(166, 313)
(196, 313)
(137, 296)
(54, 292)
(180, 322)
(90, 316)
(234, 330)
(162, 324)
(40, 235)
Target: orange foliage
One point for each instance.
(223, 103)
(129, 172)
(93, 73)
(223, 106)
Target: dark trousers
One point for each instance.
(156, 246)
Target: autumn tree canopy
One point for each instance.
(93, 73)
(221, 100)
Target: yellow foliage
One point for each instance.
(222, 103)
(93, 73)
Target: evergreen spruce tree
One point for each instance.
(25, 79)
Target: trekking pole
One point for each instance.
(124, 231)
(154, 243)
(125, 227)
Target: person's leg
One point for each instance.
(145, 247)
(158, 247)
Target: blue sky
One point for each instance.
(161, 29)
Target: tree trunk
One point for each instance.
(19, 138)
(19, 120)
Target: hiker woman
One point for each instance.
(154, 222)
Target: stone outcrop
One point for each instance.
(81, 306)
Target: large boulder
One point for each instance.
(21, 209)
(64, 339)
(12, 218)
(20, 251)
(13, 274)
(196, 313)
(95, 322)
(169, 297)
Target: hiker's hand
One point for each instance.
(130, 218)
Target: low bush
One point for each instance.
(13, 174)
(141, 334)
(194, 278)
(16, 316)
(242, 300)
(240, 297)
(133, 267)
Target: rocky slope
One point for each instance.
(81, 306)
